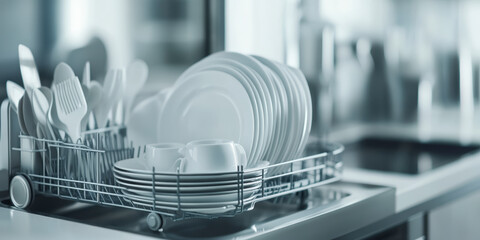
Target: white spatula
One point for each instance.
(71, 106)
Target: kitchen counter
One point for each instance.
(418, 193)
(412, 190)
(331, 212)
(19, 225)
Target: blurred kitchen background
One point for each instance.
(371, 61)
(399, 67)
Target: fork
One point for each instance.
(71, 106)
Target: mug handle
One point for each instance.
(180, 163)
(243, 155)
(182, 151)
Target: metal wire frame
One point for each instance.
(96, 184)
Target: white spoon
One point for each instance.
(137, 74)
(14, 92)
(102, 110)
(54, 131)
(93, 96)
(28, 117)
(41, 104)
(86, 74)
(118, 104)
(20, 115)
(141, 129)
(40, 132)
(31, 79)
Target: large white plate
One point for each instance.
(208, 105)
(300, 105)
(173, 189)
(280, 132)
(191, 201)
(243, 75)
(300, 113)
(277, 114)
(120, 175)
(308, 99)
(137, 169)
(292, 109)
(205, 210)
(265, 84)
(260, 92)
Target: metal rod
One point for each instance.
(153, 187)
(43, 159)
(263, 182)
(98, 173)
(242, 185)
(58, 170)
(114, 147)
(238, 185)
(291, 176)
(179, 204)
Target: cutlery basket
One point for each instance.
(84, 172)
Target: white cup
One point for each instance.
(165, 157)
(210, 156)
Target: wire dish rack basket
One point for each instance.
(85, 172)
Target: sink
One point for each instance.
(401, 155)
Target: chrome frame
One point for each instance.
(61, 161)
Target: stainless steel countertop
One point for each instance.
(412, 190)
(17, 224)
(319, 220)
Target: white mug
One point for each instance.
(215, 155)
(165, 157)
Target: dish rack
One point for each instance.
(84, 172)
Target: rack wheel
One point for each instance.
(21, 191)
(303, 198)
(154, 221)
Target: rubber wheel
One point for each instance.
(154, 221)
(21, 191)
(303, 199)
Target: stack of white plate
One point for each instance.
(263, 105)
(202, 193)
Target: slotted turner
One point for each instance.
(71, 106)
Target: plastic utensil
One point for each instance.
(146, 114)
(93, 96)
(31, 79)
(136, 76)
(86, 74)
(28, 117)
(14, 92)
(62, 72)
(102, 110)
(20, 115)
(41, 103)
(118, 104)
(71, 106)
